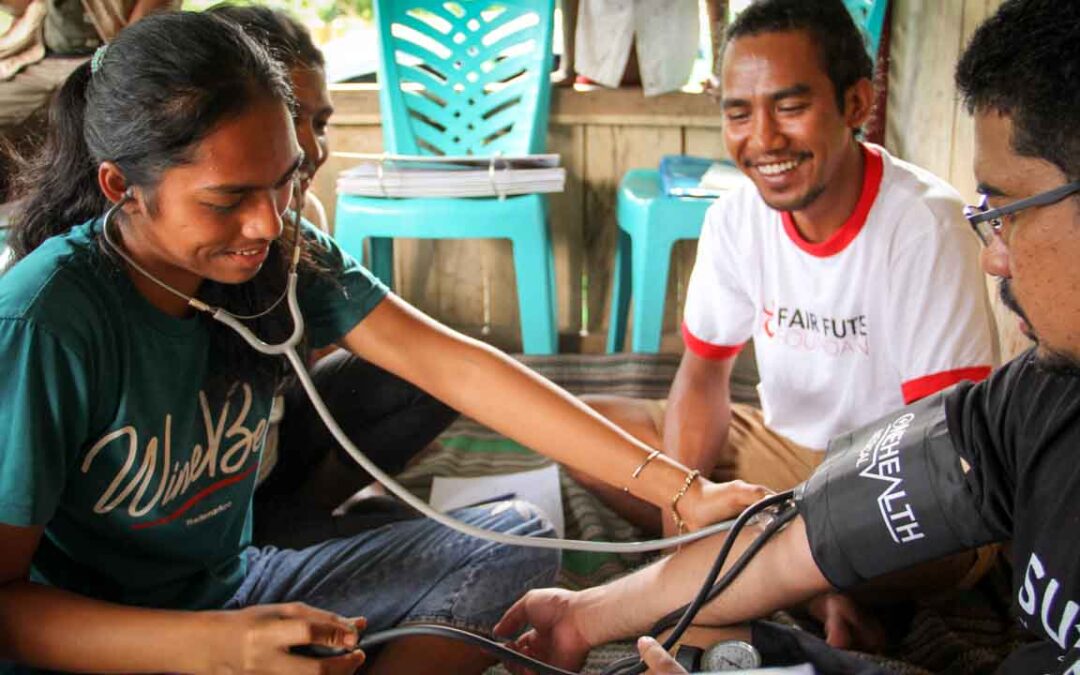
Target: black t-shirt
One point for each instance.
(1020, 432)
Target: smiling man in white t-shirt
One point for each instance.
(853, 272)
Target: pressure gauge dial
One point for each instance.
(730, 655)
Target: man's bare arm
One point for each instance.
(781, 575)
(566, 625)
(699, 412)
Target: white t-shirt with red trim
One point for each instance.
(891, 308)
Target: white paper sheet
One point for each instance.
(540, 487)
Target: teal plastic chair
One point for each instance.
(650, 223)
(464, 77)
(869, 15)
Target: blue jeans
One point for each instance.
(390, 418)
(410, 572)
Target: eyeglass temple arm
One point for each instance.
(1044, 199)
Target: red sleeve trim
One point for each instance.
(922, 387)
(707, 350)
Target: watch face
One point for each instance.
(730, 655)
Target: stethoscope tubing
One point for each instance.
(287, 348)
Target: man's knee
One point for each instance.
(641, 418)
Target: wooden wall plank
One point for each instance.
(1011, 340)
(359, 104)
(927, 124)
(610, 152)
(566, 216)
(963, 132)
(629, 107)
(926, 44)
(704, 141)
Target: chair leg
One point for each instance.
(651, 260)
(620, 293)
(534, 268)
(382, 259)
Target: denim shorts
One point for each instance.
(415, 571)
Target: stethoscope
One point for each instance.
(714, 582)
(288, 348)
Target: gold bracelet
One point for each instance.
(641, 467)
(680, 524)
(652, 455)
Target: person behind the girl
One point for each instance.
(134, 426)
(305, 474)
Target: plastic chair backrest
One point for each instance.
(869, 16)
(464, 77)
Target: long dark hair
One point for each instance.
(287, 39)
(158, 89)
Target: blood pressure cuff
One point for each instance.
(888, 496)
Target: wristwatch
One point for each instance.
(730, 655)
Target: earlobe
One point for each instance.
(115, 187)
(859, 102)
(112, 182)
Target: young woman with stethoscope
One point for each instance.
(134, 424)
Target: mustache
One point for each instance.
(1010, 301)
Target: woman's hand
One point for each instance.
(257, 640)
(716, 502)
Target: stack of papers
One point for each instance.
(687, 176)
(429, 176)
(540, 487)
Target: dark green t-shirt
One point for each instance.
(113, 441)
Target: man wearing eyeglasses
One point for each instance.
(1004, 451)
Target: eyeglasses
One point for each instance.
(988, 222)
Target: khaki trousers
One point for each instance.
(758, 454)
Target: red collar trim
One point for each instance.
(872, 170)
